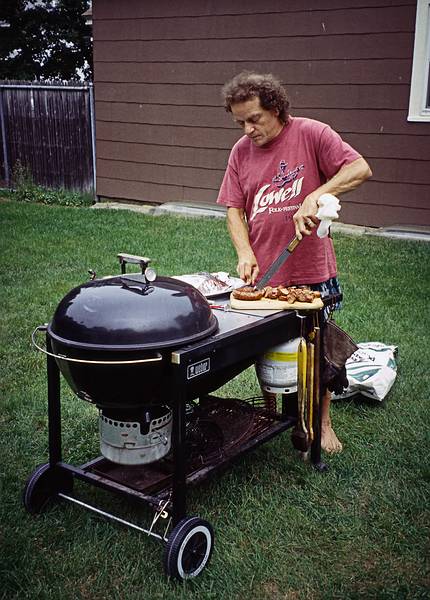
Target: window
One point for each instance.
(419, 100)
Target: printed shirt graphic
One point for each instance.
(270, 184)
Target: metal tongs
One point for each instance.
(300, 434)
(308, 389)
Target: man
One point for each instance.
(275, 175)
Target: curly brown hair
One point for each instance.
(247, 85)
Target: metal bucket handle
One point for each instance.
(157, 358)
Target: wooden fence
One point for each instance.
(49, 129)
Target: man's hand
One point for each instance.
(247, 268)
(305, 218)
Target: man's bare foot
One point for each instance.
(329, 440)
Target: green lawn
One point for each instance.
(282, 530)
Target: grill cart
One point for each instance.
(149, 353)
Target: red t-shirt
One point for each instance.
(270, 183)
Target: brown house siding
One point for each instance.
(159, 66)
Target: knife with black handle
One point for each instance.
(277, 264)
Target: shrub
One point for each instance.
(26, 190)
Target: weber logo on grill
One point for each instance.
(199, 368)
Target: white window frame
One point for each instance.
(420, 80)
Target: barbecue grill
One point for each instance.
(149, 352)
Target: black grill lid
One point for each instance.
(128, 313)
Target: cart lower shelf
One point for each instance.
(218, 431)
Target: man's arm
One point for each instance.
(247, 267)
(346, 179)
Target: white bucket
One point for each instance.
(277, 368)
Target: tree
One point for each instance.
(44, 40)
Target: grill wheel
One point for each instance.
(43, 485)
(188, 548)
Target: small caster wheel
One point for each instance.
(188, 548)
(43, 485)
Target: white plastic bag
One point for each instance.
(371, 371)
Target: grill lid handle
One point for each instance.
(142, 261)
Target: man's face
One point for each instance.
(259, 124)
